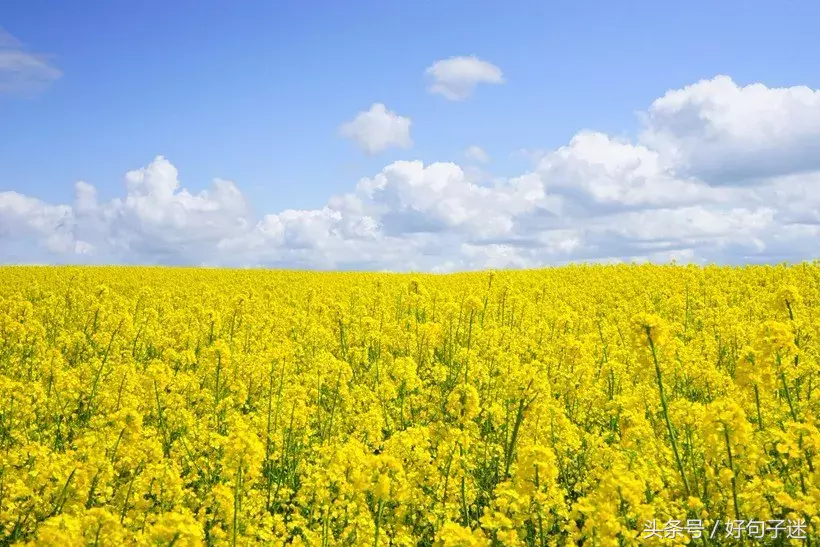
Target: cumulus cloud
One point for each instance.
(21, 71)
(725, 133)
(659, 197)
(409, 197)
(378, 129)
(25, 217)
(598, 171)
(456, 78)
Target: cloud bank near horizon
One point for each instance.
(719, 173)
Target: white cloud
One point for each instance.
(476, 154)
(456, 78)
(409, 197)
(725, 133)
(598, 198)
(21, 71)
(599, 171)
(378, 129)
(690, 225)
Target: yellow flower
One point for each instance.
(453, 535)
(649, 326)
(177, 529)
(473, 304)
(61, 530)
(150, 406)
(382, 490)
(463, 402)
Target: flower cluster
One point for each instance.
(152, 406)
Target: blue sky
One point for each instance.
(255, 92)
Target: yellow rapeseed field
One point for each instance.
(600, 405)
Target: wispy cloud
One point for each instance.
(476, 154)
(21, 71)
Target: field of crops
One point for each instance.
(163, 406)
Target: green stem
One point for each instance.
(540, 519)
(788, 395)
(732, 469)
(236, 493)
(757, 403)
(666, 411)
(378, 523)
